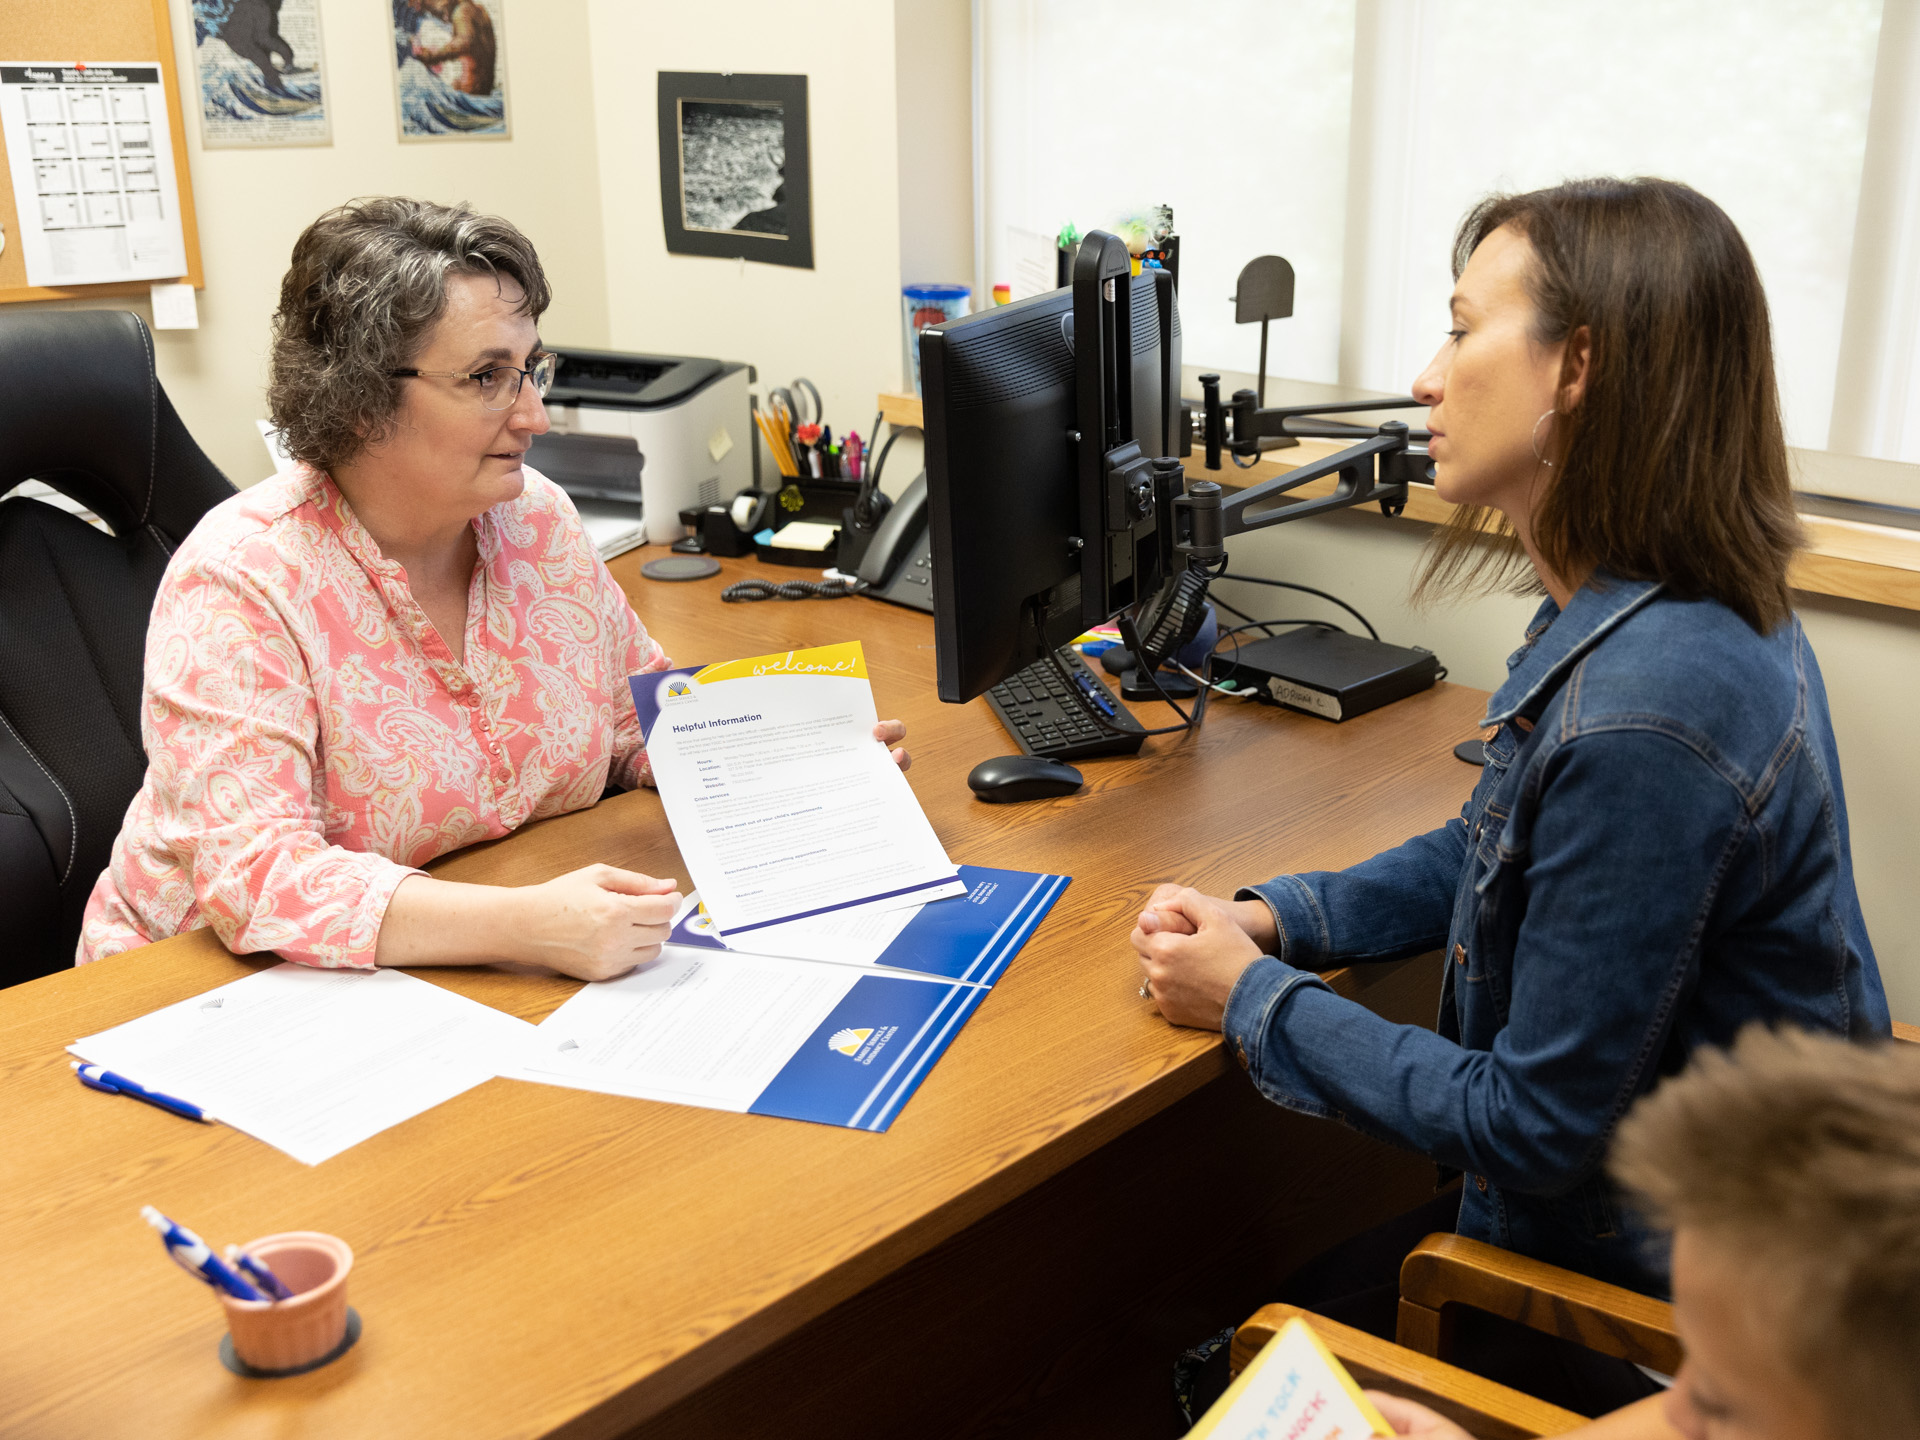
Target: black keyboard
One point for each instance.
(1053, 719)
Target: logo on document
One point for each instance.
(848, 1042)
(676, 690)
(861, 1046)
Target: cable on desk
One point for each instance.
(742, 590)
(1235, 610)
(1217, 686)
(1187, 722)
(1309, 590)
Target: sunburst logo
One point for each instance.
(848, 1042)
(675, 690)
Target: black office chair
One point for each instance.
(82, 411)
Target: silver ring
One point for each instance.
(1146, 989)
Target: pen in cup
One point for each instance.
(196, 1257)
(258, 1273)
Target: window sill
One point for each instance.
(1879, 564)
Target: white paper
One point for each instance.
(783, 804)
(1035, 261)
(276, 444)
(93, 179)
(314, 1061)
(174, 307)
(859, 936)
(696, 1027)
(614, 526)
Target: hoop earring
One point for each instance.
(1534, 439)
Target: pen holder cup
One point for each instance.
(285, 1337)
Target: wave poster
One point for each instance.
(450, 69)
(259, 68)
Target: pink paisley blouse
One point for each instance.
(311, 740)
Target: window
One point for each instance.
(1351, 138)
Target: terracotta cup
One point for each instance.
(286, 1334)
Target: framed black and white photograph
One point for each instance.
(733, 167)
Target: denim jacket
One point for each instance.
(1655, 855)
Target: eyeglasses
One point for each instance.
(500, 386)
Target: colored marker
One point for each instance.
(96, 1077)
(196, 1257)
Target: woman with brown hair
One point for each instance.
(1656, 852)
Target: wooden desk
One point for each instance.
(1075, 1191)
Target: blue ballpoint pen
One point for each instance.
(258, 1273)
(196, 1257)
(96, 1077)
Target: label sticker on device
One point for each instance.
(1301, 698)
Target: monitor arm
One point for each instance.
(1240, 425)
(1379, 467)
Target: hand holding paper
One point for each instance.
(782, 804)
(600, 922)
(592, 923)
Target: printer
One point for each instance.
(667, 431)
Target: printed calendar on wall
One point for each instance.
(89, 146)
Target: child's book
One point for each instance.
(1294, 1390)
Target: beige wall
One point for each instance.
(837, 324)
(933, 52)
(253, 203)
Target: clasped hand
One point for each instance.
(1193, 948)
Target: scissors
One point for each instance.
(781, 401)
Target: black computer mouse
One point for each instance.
(1006, 779)
(1116, 660)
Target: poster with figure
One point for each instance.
(450, 69)
(259, 67)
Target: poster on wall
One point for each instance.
(734, 178)
(450, 69)
(93, 180)
(258, 63)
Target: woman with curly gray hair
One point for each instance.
(402, 646)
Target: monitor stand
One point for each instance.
(1135, 686)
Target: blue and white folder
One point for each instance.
(969, 937)
(806, 1039)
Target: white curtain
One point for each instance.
(1350, 138)
(1234, 114)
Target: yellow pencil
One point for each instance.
(783, 435)
(775, 446)
(777, 442)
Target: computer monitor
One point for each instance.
(1009, 522)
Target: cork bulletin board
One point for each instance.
(93, 30)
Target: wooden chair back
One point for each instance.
(1486, 1410)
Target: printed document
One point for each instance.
(783, 804)
(754, 1034)
(970, 937)
(314, 1061)
(91, 154)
